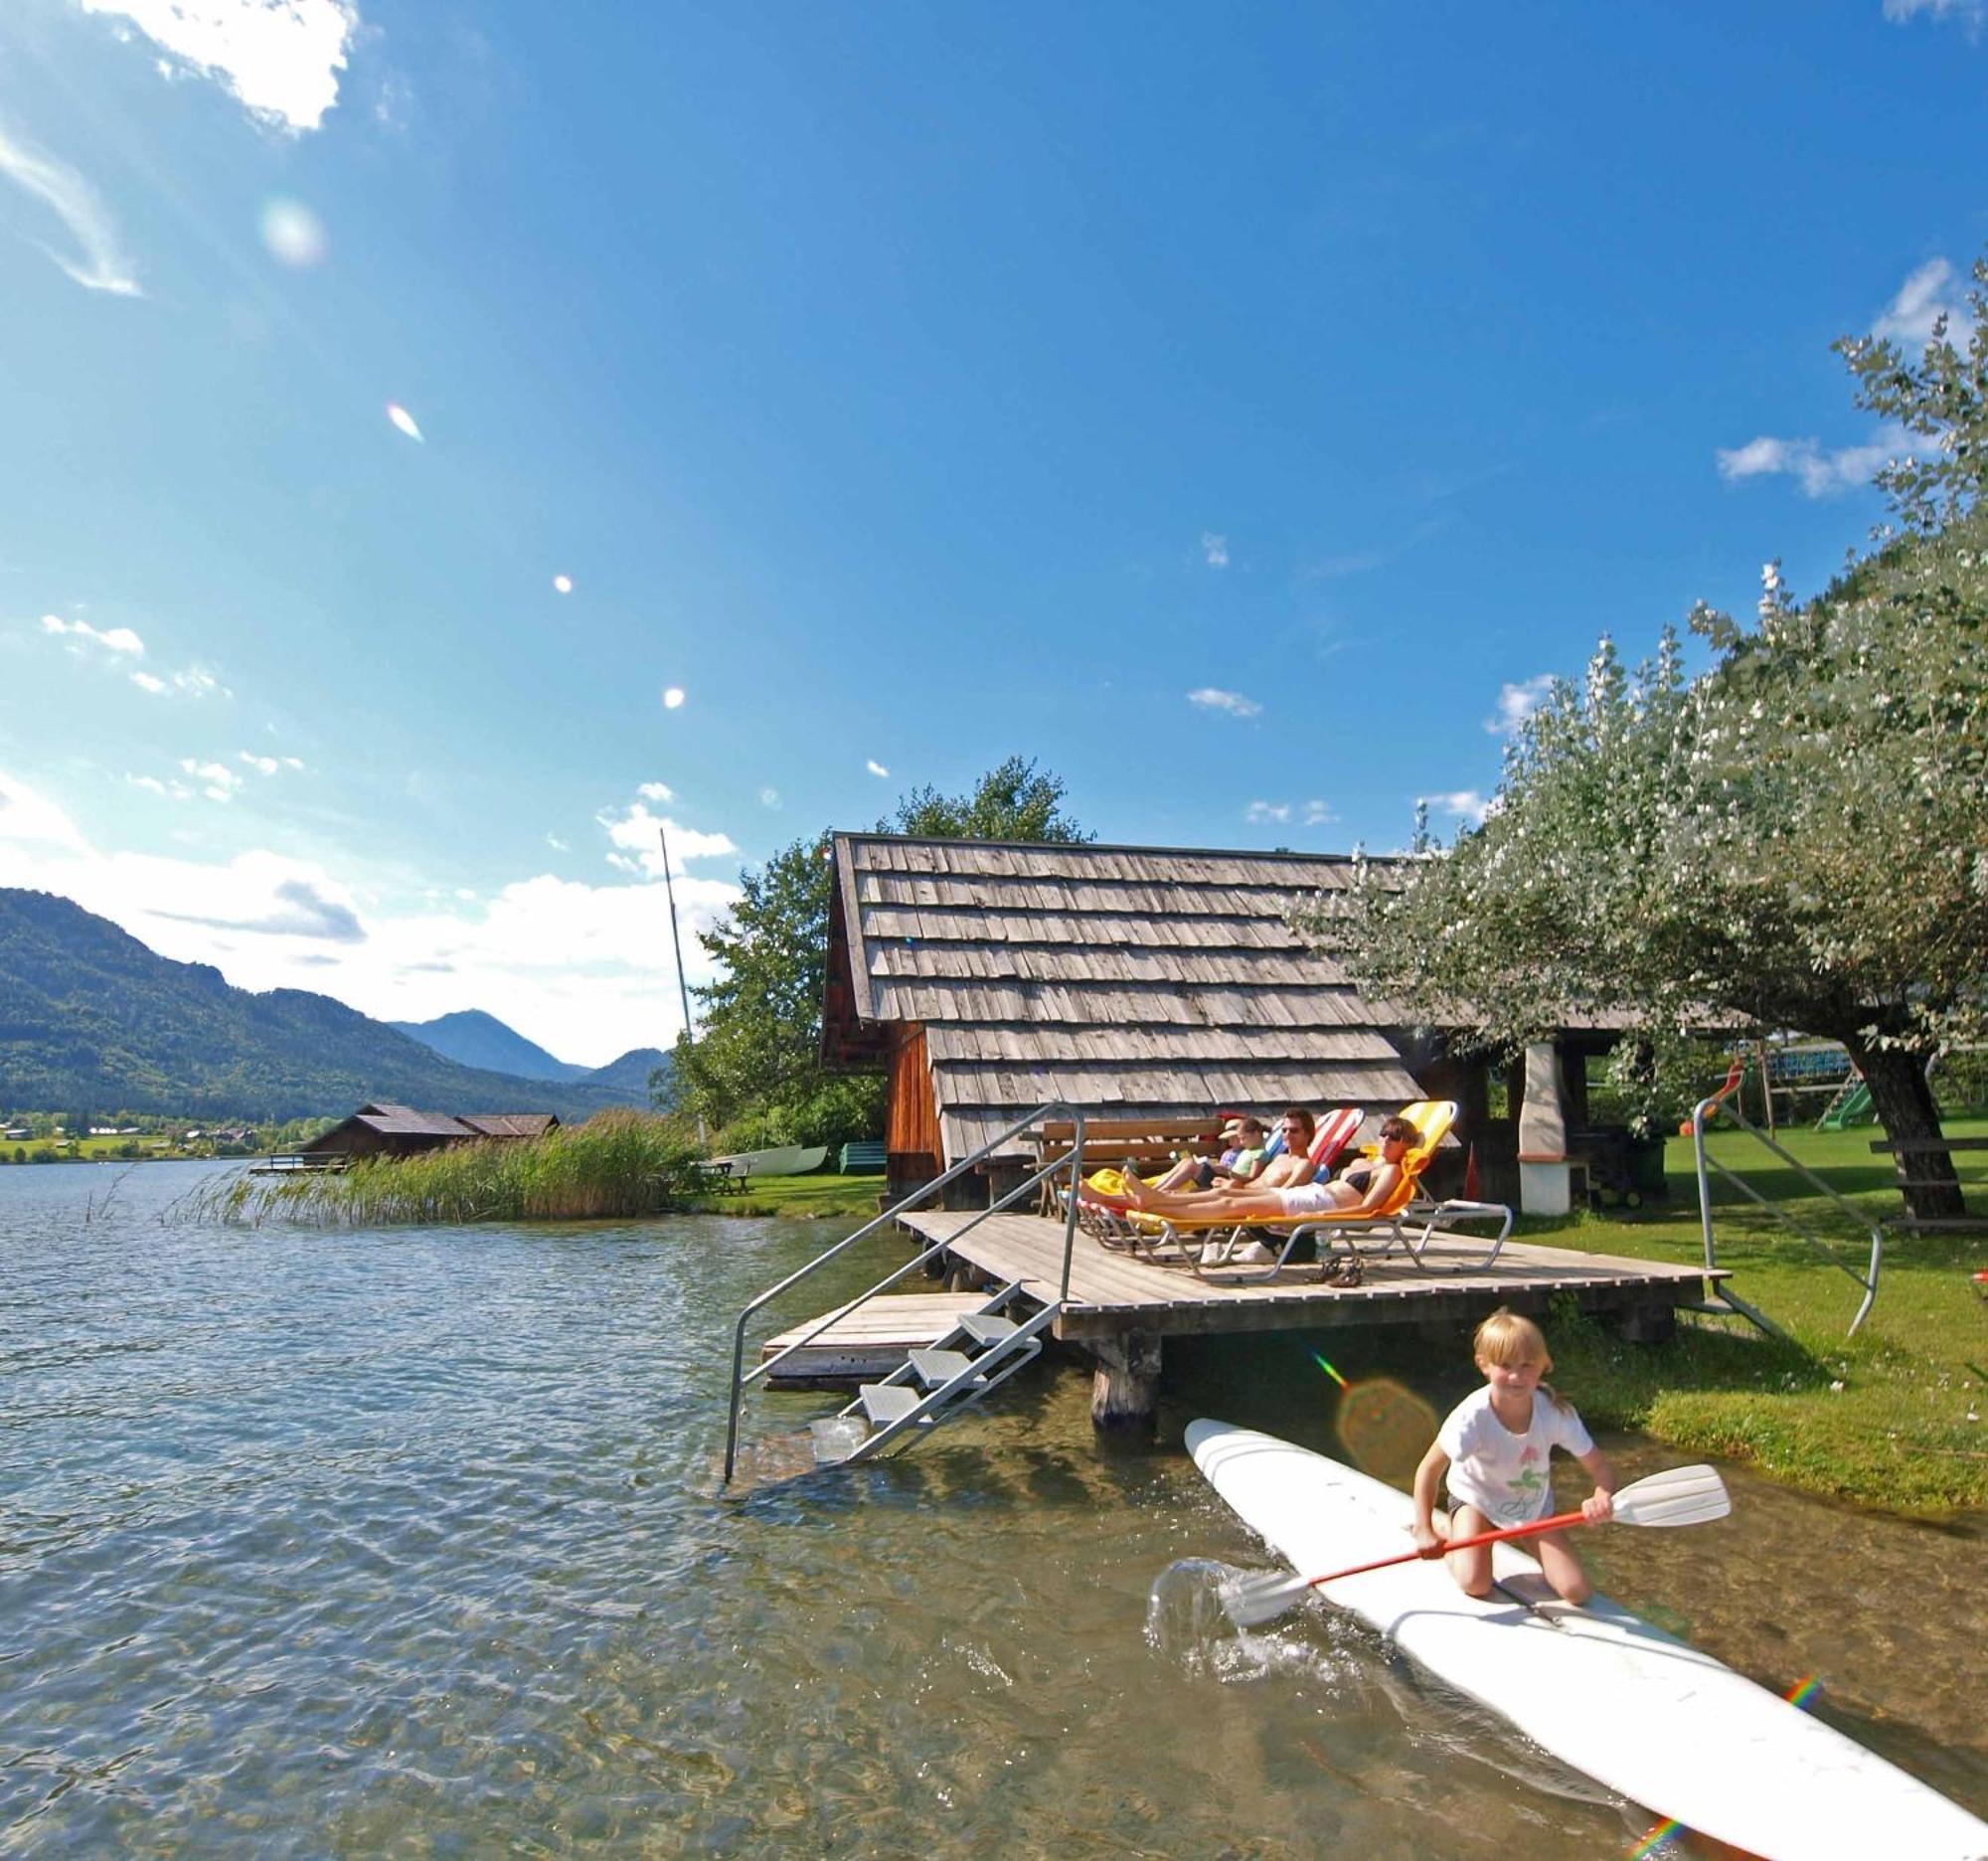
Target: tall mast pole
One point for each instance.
(676, 943)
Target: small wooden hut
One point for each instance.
(400, 1131)
(990, 977)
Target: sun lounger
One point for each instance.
(1409, 1220)
(1167, 1243)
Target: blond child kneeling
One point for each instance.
(1494, 1446)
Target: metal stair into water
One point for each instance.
(980, 1353)
(935, 1382)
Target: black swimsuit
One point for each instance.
(1358, 1180)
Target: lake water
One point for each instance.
(411, 1542)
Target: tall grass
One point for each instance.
(617, 1163)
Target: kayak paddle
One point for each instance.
(1686, 1495)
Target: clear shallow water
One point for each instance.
(412, 1543)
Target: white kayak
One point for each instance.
(781, 1161)
(1641, 1712)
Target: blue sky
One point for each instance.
(1239, 411)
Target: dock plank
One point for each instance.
(871, 1340)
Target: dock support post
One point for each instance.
(1646, 1325)
(1125, 1388)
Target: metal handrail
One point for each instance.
(1720, 1102)
(1072, 1162)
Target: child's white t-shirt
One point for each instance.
(1504, 1475)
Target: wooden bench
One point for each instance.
(1138, 1143)
(1902, 1151)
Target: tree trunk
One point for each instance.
(1905, 1105)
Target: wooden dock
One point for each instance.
(868, 1341)
(1121, 1308)
(1111, 1292)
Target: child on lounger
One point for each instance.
(1242, 1159)
(1285, 1189)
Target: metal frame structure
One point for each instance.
(1725, 1102)
(1026, 1335)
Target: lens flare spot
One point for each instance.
(1330, 1371)
(293, 233)
(403, 419)
(673, 697)
(1383, 1428)
(563, 583)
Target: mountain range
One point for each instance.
(472, 1038)
(91, 1018)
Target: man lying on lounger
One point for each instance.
(1284, 1191)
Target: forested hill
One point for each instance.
(90, 1019)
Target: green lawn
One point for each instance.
(802, 1197)
(1897, 1417)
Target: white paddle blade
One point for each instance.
(1686, 1495)
(1248, 1601)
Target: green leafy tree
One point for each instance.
(1797, 838)
(1015, 801)
(753, 1070)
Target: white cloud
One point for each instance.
(28, 820)
(1233, 703)
(656, 792)
(1516, 703)
(151, 782)
(557, 844)
(1313, 814)
(1974, 12)
(1214, 549)
(404, 421)
(100, 264)
(876, 768)
(1922, 299)
(291, 761)
(280, 57)
(268, 765)
(82, 636)
(673, 697)
(1461, 804)
(221, 781)
(194, 682)
(769, 798)
(562, 584)
(584, 969)
(636, 835)
(1820, 473)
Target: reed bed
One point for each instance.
(617, 1163)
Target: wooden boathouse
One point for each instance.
(1135, 981)
(1160, 984)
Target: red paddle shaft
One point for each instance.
(1538, 1528)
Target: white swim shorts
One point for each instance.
(1312, 1198)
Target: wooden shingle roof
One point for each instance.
(1131, 980)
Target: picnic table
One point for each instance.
(721, 1178)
